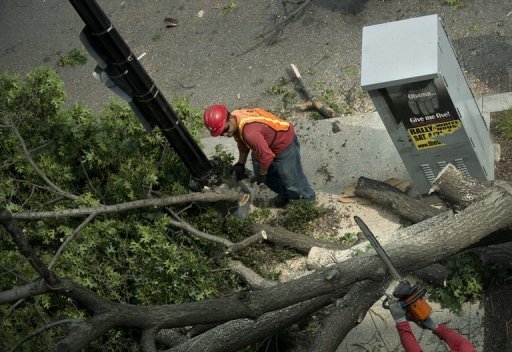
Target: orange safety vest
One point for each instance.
(247, 116)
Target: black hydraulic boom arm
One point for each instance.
(121, 71)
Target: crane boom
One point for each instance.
(122, 72)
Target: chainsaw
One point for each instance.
(411, 296)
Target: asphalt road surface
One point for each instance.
(216, 53)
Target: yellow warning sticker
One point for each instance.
(424, 137)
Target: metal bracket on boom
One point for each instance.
(120, 70)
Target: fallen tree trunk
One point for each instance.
(348, 312)
(412, 249)
(236, 334)
(459, 191)
(390, 197)
(435, 274)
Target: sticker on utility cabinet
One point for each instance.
(425, 136)
(426, 111)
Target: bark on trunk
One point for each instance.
(349, 311)
(284, 238)
(390, 197)
(457, 190)
(234, 335)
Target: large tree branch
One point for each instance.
(81, 334)
(148, 340)
(348, 312)
(26, 249)
(228, 195)
(180, 223)
(284, 238)
(251, 278)
(31, 289)
(262, 232)
(236, 334)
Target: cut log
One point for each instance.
(390, 197)
(302, 243)
(457, 189)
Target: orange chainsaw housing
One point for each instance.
(419, 309)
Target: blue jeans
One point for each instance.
(285, 175)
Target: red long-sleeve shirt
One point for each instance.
(455, 342)
(264, 142)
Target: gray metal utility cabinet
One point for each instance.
(410, 70)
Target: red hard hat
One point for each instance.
(215, 119)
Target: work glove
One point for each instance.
(397, 310)
(239, 170)
(258, 178)
(429, 323)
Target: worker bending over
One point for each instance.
(274, 145)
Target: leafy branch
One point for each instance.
(31, 161)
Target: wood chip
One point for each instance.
(349, 191)
(170, 22)
(358, 200)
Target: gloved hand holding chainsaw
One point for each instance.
(399, 313)
(407, 302)
(453, 339)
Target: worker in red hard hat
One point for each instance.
(274, 145)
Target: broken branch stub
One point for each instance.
(311, 101)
